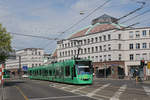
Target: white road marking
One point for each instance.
(66, 86)
(61, 97)
(119, 92)
(100, 88)
(74, 90)
(147, 90)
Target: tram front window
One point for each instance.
(83, 67)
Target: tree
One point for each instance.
(5, 44)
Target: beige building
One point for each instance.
(114, 49)
(30, 57)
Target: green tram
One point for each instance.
(6, 74)
(74, 71)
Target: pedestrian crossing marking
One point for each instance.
(119, 92)
(74, 90)
(100, 88)
(147, 90)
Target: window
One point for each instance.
(137, 45)
(88, 41)
(71, 44)
(96, 39)
(96, 49)
(100, 38)
(85, 41)
(109, 37)
(137, 57)
(104, 47)
(131, 34)
(85, 50)
(144, 33)
(144, 56)
(65, 45)
(68, 44)
(100, 48)
(88, 50)
(119, 46)
(74, 52)
(92, 40)
(68, 53)
(104, 37)
(71, 52)
(65, 53)
(100, 58)
(67, 70)
(144, 45)
(32, 65)
(137, 33)
(92, 49)
(104, 57)
(81, 42)
(74, 43)
(131, 57)
(109, 46)
(130, 46)
(119, 57)
(35, 52)
(81, 51)
(96, 58)
(109, 57)
(60, 54)
(39, 53)
(119, 36)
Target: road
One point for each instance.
(99, 90)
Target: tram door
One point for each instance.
(62, 73)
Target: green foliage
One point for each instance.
(5, 44)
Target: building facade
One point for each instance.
(29, 57)
(116, 51)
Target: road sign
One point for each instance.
(148, 65)
(25, 68)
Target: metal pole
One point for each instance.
(19, 67)
(105, 71)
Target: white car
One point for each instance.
(25, 76)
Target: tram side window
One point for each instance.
(67, 70)
(46, 72)
(50, 73)
(40, 72)
(57, 72)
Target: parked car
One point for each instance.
(25, 76)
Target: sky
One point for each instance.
(50, 18)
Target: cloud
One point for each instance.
(51, 17)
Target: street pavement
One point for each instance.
(99, 90)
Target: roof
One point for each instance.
(30, 49)
(80, 33)
(99, 27)
(55, 53)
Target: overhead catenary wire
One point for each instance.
(35, 36)
(134, 17)
(79, 21)
(143, 3)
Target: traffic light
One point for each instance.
(142, 63)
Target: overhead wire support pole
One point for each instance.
(143, 3)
